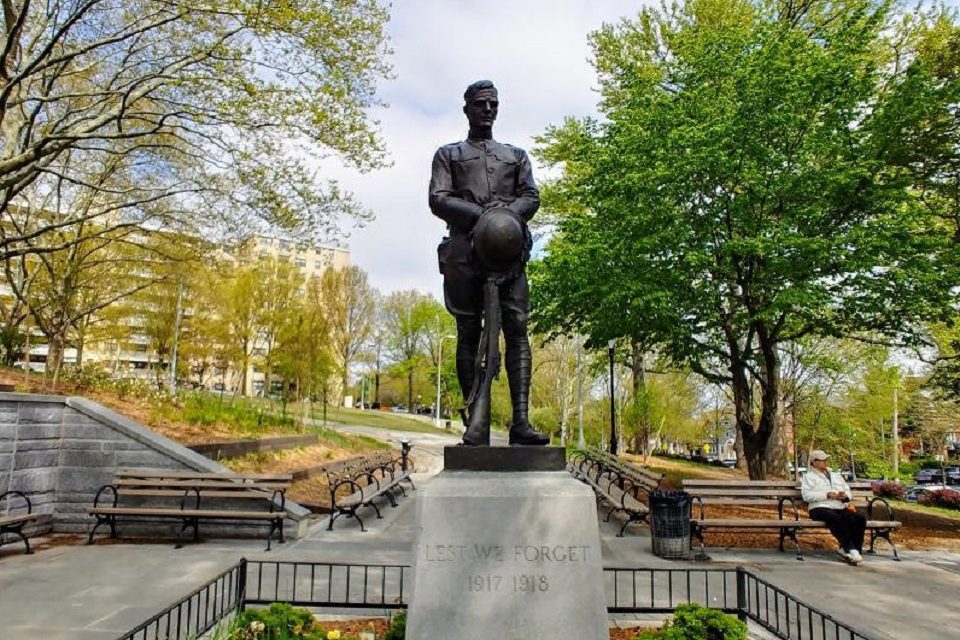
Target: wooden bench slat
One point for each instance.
(23, 517)
(188, 513)
(198, 475)
(202, 484)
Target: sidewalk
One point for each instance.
(98, 592)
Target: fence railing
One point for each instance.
(785, 616)
(198, 612)
(318, 584)
(352, 586)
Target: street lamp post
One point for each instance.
(581, 443)
(613, 413)
(436, 409)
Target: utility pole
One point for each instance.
(896, 435)
(581, 443)
(176, 339)
(613, 408)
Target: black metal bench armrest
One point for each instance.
(885, 503)
(634, 490)
(702, 509)
(793, 503)
(389, 469)
(342, 483)
(14, 492)
(186, 494)
(371, 477)
(282, 493)
(111, 487)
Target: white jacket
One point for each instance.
(816, 486)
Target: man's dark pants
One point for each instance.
(847, 527)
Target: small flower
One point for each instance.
(256, 626)
(333, 635)
(297, 630)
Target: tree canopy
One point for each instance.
(184, 113)
(749, 186)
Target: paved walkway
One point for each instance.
(98, 592)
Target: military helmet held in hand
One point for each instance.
(499, 240)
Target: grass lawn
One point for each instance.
(376, 419)
(921, 508)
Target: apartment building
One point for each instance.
(130, 353)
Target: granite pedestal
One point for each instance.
(512, 555)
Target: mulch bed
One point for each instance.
(352, 628)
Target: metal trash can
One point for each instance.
(670, 523)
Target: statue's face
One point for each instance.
(482, 109)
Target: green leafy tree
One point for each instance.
(216, 108)
(277, 294)
(351, 311)
(743, 192)
(409, 317)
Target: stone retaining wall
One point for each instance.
(237, 448)
(61, 450)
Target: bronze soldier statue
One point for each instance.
(482, 178)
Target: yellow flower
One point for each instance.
(333, 635)
(297, 630)
(256, 626)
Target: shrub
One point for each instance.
(943, 498)
(279, 621)
(398, 627)
(886, 489)
(693, 622)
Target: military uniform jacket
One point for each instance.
(469, 177)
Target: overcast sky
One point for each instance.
(534, 50)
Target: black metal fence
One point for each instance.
(199, 612)
(316, 584)
(785, 616)
(350, 586)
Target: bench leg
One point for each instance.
(609, 513)
(402, 490)
(354, 515)
(278, 526)
(792, 534)
(698, 532)
(17, 531)
(885, 534)
(624, 527)
(412, 486)
(392, 499)
(377, 509)
(188, 523)
(108, 520)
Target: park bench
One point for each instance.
(192, 497)
(785, 496)
(358, 482)
(12, 520)
(624, 486)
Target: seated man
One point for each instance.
(828, 498)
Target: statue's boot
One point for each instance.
(518, 364)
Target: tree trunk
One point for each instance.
(763, 455)
(639, 370)
(55, 347)
(410, 391)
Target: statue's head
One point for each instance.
(480, 104)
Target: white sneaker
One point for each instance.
(843, 555)
(855, 557)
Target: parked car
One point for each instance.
(930, 476)
(914, 492)
(400, 408)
